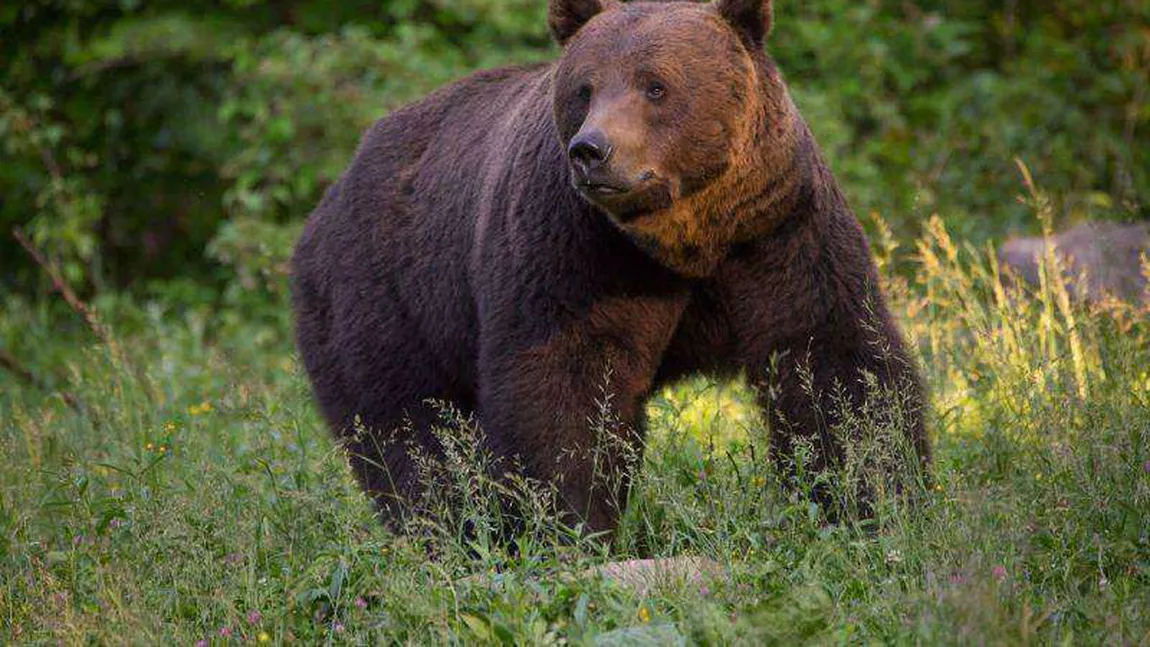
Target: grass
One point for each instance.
(199, 498)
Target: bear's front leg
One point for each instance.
(830, 388)
(563, 396)
(816, 338)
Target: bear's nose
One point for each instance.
(589, 149)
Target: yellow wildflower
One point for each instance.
(263, 637)
(197, 409)
(644, 615)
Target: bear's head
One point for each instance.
(672, 116)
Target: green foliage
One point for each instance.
(924, 105)
(134, 134)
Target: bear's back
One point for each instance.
(391, 241)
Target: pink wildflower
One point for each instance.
(999, 572)
(254, 617)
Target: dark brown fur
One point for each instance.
(455, 261)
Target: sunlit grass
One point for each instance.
(198, 497)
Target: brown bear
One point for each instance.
(648, 207)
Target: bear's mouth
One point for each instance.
(601, 188)
(624, 200)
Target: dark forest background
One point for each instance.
(173, 148)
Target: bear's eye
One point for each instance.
(656, 91)
(584, 93)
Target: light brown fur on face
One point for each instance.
(694, 233)
(708, 166)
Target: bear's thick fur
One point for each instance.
(650, 206)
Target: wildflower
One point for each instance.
(957, 578)
(337, 627)
(169, 426)
(760, 481)
(1146, 467)
(254, 617)
(116, 523)
(938, 487)
(702, 475)
(999, 572)
(893, 557)
(383, 550)
(1038, 476)
(201, 643)
(361, 603)
(226, 632)
(704, 591)
(644, 615)
(201, 408)
(149, 446)
(263, 637)
(163, 449)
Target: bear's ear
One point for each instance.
(565, 17)
(751, 18)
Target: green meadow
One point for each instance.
(190, 493)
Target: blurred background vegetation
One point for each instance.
(173, 149)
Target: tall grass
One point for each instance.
(197, 497)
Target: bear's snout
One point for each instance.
(588, 150)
